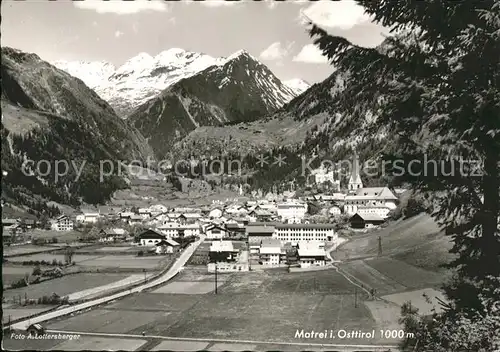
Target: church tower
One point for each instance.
(355, 179)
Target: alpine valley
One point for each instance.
(92, 111)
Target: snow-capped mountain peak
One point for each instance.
(144, 76)
(240, 54)
(92, 73)
(297, 85)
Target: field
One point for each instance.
(271, 305)
(78, 258)
(265, 306)
(16, 313)
(82, 343)
(102, 260)
(12, 274)
(418, 300)
(16, 250)
(92, 343)
(62, 236)
(92, 292)
(64, 286)
(117, 249)
(410, 264)
(409, 240)
(125, 262)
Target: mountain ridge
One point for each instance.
(242, 89)
(143, 76)
(48, 115)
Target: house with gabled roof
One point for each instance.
(62, 223)
(362, 221)
(215, 232)
(167, 245)
(311, 253)
(150, 237)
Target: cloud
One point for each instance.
(218, 3)
(120, 7)
(118, 34)
(336, 14)
(310, 53)
(275, 51)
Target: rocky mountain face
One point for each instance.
(242, 89)
(140, 78)
(310, 126)
(49, 115)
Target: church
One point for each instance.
(377, 201)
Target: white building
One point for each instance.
(222, 246)
(174, 229)
(295, 233)
(150, 238)
(374, 201)
(335, 211)
(215, 213)
(88, 217)
(311, 254)
(190, 217)
(215, 232)
(135, 219)
(62, 223)
(270, 252)
(291, 209)
(126, 215)
(158, 209)
(323, 175)
(145, 213)
(112, 235)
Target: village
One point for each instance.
(275, 233)
(346, 243)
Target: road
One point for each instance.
(307, 346)
(174, 270)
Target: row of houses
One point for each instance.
(271, 252)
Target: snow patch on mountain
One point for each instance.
(144, 77)
(297, 85)
(92, 73)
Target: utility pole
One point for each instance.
(216, 277)
(356, 297)
(379, 246)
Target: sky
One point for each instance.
(115, 30)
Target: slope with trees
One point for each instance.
(435, 86)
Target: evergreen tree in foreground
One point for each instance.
(434, 84)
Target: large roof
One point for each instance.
(305, 226)
(369, 217)
(222, 246)
(310, 249)
(253, 230)
(372, 193)
(270, 242)
(151, 234)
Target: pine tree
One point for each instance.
(434, 84)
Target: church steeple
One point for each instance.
(355, 179)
